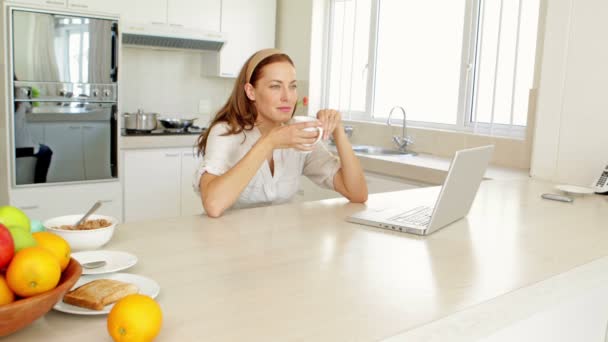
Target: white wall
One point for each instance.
(572, 110)
(168, 82)
(293, 32)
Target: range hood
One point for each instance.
(171, 37)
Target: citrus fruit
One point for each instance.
(6, 295)
(33, 270)
(22, 238)
(14, 217)
(135, 318)
(56, 245)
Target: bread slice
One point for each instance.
(99, 293)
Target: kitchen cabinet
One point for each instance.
(198, 14)
(106, 6)
(144, 11)
(157, 183)
(248, 26)
(44, 202)
(376, 183)
(190, 201)
(201, 14)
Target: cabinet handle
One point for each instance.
(27, 207)
(157, 23)
(74, 127)
(171, 154)
(79, 6)
(55, 2)
(87, 127)
(177, 25)
(106, 201)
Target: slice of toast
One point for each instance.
(99, 293)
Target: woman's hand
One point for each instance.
(294, 136)
(331, 120)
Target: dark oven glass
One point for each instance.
(60, 48)
(64, 142)
(64, 97)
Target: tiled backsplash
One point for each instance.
(508, 152)
(169, 82)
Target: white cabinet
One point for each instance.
(196, 14)
(44, 202)
(190, 201)
(375, 183)
(157, 184)
(144, 11)
(105, 6)
(248, 26)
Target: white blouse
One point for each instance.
(223, 152)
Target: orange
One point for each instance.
(6, 295)
(135, 318)
(56, 245)
(33, 270)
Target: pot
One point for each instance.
(181, 124)
(140, 121)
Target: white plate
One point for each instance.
(574, 190)
(146, 286)
(115, 261)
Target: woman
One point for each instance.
(252, 158)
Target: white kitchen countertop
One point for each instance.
(422, 168)
(301, 272)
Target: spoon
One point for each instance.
(92, 210)
(94, 264)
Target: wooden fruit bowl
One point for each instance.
(22, 312)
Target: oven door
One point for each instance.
(64, 142)
(62, 48)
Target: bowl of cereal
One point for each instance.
(95, 232)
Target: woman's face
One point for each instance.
(275, 92)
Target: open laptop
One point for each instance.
(454, 201)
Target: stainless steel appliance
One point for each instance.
(140, 121)
(64, 96)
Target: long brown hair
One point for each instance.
(239, 112)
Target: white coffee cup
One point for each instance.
(298, 119)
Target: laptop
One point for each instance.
(453, 203)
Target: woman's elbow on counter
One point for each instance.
(358, 198)
(212, 209)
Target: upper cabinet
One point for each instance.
(144, 11)
(106, 6)
(201, 14)
(248, 26)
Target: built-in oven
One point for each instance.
(64, 113)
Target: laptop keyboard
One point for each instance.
(419, 216)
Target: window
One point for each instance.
(458, 64)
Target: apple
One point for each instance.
(22, 238)
(7, 246)
(14, 217)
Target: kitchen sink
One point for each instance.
(377, 150)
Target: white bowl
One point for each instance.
(80, 240)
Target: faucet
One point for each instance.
(401, 141)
